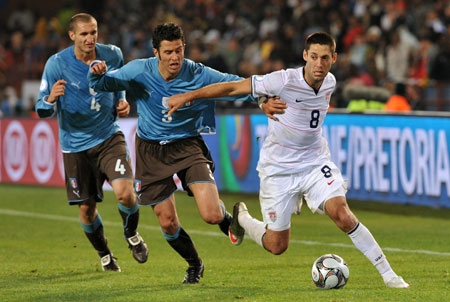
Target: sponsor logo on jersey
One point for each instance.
(76, 84)
(329, 183)
(298, 101)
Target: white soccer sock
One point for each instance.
(364, 241)
(253, 227)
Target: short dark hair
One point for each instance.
(83, 17)
(321, 38)
(167, 31)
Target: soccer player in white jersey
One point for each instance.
(296, 155)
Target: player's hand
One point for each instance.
(98, 67)
(123, 108)
(272, 106)
(177, 101)
(57, 90)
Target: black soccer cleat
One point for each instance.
(138, 247)
(194, 273)
(109, 263)
(236, 232)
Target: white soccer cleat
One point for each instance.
(397, 282)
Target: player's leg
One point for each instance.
(84, 190)
(211, 208)
(338, 210)
(113, 161)
(198, 180)
(274, 241)
(325, 193)
(178, 239)
(277, 205)
(129, 211)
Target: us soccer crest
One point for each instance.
(73, 182)
(273, 216)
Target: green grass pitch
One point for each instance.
(44, 255)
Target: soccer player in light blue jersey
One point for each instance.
(167, 145)
(94, 148)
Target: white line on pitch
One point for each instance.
(149, 227)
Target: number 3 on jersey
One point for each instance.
(166, 118)
(120, 167)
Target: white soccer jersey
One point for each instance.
(295, 140)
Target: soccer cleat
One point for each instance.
(236, 232)
(138, 248)
(109, 263)
(397, 282)
(194, 273)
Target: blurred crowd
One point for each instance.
(398, 47)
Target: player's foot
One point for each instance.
(397, 282)
(194, 273)
(109, 263)
(138, 248)
(236, 232)
(225, 224)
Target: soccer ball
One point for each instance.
(330, 271)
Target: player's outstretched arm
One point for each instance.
(210, 92)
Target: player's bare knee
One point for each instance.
(126, 197)
(279, 249)
(169, 225)
(87, 211)
(214, 218)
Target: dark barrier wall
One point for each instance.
(402, 159)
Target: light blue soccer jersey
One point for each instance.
(86, 117)
(142, 80)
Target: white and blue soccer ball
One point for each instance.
(330, 272)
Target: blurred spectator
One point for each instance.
(377, 41)
(397, 59)
(398, 101)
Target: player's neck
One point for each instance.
(315, 85)
(167, 76)
(85, 57)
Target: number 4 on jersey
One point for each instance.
(95, 105)
(120, 167)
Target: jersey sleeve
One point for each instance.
(118, 64)
(49, 77)
(268, 85)
(115, 80)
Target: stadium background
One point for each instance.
(382, 45)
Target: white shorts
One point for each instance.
(280, 194)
